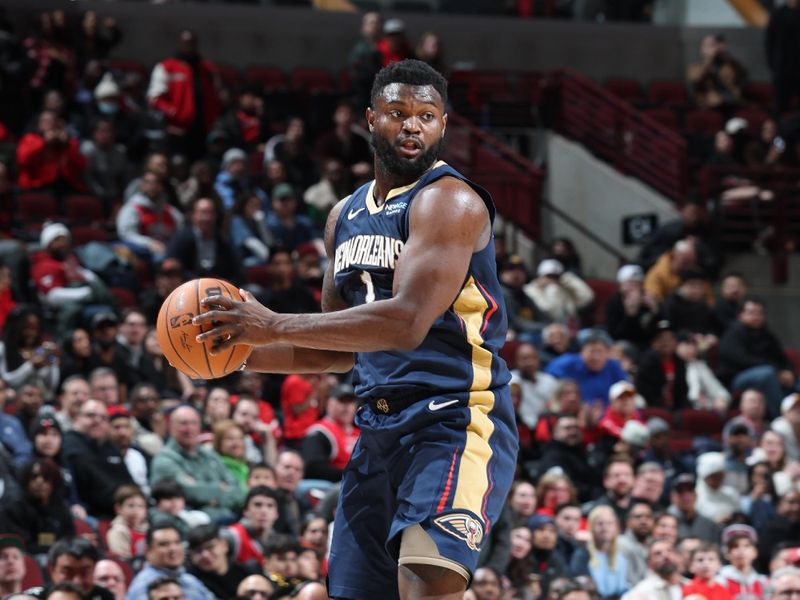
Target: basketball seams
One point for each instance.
(169, 337)
(205, 350)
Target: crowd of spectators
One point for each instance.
(121, 477)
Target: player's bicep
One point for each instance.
(331, 300)
(444, 228)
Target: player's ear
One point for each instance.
(444, 124)
(370, 118)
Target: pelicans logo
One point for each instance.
(464, 527)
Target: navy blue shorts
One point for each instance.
(445, 463)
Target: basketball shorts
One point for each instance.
(439, 468)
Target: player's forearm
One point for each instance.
(373, 327)
(286, 358)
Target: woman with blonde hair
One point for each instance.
(607, 564)
(229, 444)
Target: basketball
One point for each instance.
(177, 334)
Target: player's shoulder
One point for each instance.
(452, 194)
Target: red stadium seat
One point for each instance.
(36, 207)
(667, 93)
(230, 76)
(603, 291)
(344, 80)
(654, 411)
(311, 79)
(703, 121)
(86, 233)
(794, 357)
(261, 275)
(270, 78)
(665, 116)
(759, 92)
(680, 441)
(755, 118)
(626, 89)
(82, 208)
(509, 352)
(700, 422)
(33, 573)
(124, 297)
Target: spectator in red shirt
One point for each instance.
(705, 564)
(302, 397)
(61, 281)
(621, 409)
(184, 89)
(242, 126)
(394, 46)
(50, 157)
(329, 442)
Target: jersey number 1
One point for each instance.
(366, 278)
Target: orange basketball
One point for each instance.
(176, 334)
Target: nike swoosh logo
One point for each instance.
(434, 406)
(353, 214)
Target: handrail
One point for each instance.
(514, 181)
(611, 128)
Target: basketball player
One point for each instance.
(412, 301)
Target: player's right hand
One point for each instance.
(235, 322)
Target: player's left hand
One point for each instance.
(235, 322)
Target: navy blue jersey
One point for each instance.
(461, 350)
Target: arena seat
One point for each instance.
(124, 297)
(700, 422)
(123, 66)
(665, 116)
(86, 233)
(260, 275)
(603, 290)
(760, 92)
(229, 75)
(83, 208)
(33, 573)
(655, 411)
(36, 207)
(270, 78)
(509, 352)
(667, 93)
(311, 79)
(626, 89)
(703, 121)
(754, 116)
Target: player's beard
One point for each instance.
(404, 168)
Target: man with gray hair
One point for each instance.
(785, 583)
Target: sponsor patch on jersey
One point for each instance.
(394, 207)
(464, 527)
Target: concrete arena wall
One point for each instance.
(288, 38)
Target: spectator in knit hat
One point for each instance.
(233, 180)
(61, 282)
(630, 313)
(715, 500)
(738, 439)
(559, 294)
(788, 426)
(739, 545)
(683, 501)
(12, 564)
(544, 560)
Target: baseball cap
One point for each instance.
(682, 481)
(549, 266)
(635, 434)
(394, 26)
(232, 155)
(657, 425)
(344, 391)
(620, 388)
(103, 318)
(630, 273)
(789, 402)
(538, 521)
(117, 411)
(283, 190)
(10, 540)
(739, 530)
